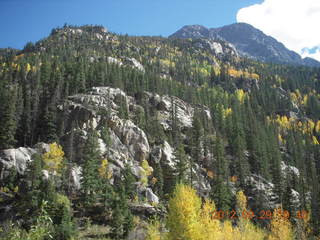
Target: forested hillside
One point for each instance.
(106, 136)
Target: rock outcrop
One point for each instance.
(124, 144)
(19, 158)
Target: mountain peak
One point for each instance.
(193, 31)
(249, 42)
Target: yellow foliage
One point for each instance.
(146, 167)
(104, 171)
(14, 65)
(279, 80)
(305, 100)
(280, 138)
(246, 230)
(187, 220)
(54, 158)
(238, 73)
(228, 232)
(318, 126)
(234, 179)
(203, 71)
(211, 227)
(315, 140)
(210, 174)
(234, 73)
(280, 227)
(226, 112)
(250, 232)
(147, 172)
(184, 215)
(154, 180)
(28, 67)
(4, 189)
(167, 63)
(241, 201)
(283, 121)
(153, 232)
(240, 94)
(255, 76)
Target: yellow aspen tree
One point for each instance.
(226, 112)
(315, 140)
(255, 76)
(240, 94)
(305, 100)
(104, 169)
(281, 228)
(183, 219)
(246, 228)
(211, 227)
(228, 232)
(147, 172)
(241, 211)
(53, 159)
(153, 231)
(28, 67)
(318, 126)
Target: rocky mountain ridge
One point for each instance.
(249, 42)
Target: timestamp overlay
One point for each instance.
(261, 214)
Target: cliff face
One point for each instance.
(101, 109)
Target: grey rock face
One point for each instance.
(134, 62)
(129, 144)
(261, 188)
(19, 158)
(76, 177)
(151, 197)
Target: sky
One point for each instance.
(295, 23)
(292, 22)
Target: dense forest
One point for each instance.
(252, 125)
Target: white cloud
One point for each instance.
(313, 54)
(295, 23)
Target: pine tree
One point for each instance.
(158, 177)
(122, 219)
(220, 189)
(91, 162)
(8, 120)
(182, 164)
(196, 138)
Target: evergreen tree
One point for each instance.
(182, 164)
(221, 193)
(91, 162)
(122, 219)
(8, 121)
(196, 138)
(159, 182)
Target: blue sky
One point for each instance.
(30, 20)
